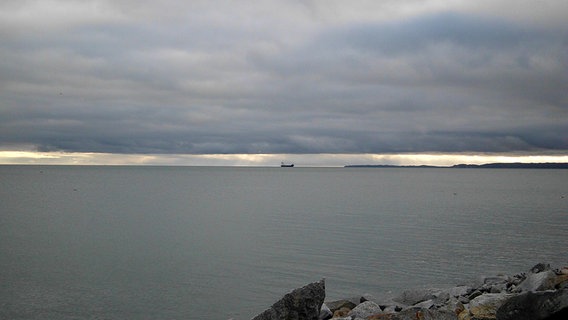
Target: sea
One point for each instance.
(145, 242)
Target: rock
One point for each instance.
(453, 305)
(464, 315)
(464, 300)
(391, 309)
(425, 314)
(518, 278)
(485, 306)
(386, 316)
(415, 314)
(301, 304)
(389, 305)
(540, 267)
(367, 297)
(535, 306)
(474, 294)
(325, 313)
(541, 294)
(365, 309)
(498, 288)
(484, 283)
(412, 297)
(425, 304)
(343, 312)
(541, 281)
(339, 304)
(561, 279)
(459, 291)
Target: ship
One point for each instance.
(286, 165)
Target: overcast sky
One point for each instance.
(173, 78)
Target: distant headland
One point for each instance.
(516, 165)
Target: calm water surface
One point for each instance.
(220, 243)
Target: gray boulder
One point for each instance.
(498, 288)
(459, 291)
(541, 281)
(301, 304)
(325, 312)
(535, 306)
(389, 305)
(454, 305)
(485, 306)
(475, 294)
(425, 304)
(540, 267)
(338, 304)
(365, 309)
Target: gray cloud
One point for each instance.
(245, 80)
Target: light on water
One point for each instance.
(216, 243)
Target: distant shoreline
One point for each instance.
(516, 165)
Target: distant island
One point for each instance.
(516, 165)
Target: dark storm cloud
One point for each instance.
(430, 83)
(448, 82)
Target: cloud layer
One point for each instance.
(226, 77)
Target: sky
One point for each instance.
(321, 82)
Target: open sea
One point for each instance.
(114, 242)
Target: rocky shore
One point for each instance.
(540, 293)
